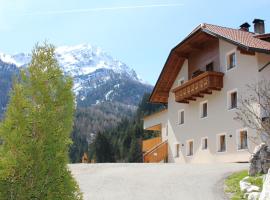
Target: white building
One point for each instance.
(201, 81)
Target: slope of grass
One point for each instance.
(232, 186)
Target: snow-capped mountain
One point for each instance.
(98, 77)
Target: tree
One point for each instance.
(35, 133)
(103, 149)
(135, 154)
(254, 110)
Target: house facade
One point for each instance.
(201, 83)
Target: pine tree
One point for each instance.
(103, 149)
(135, 154)
(35, 133)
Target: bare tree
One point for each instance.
(254, 109)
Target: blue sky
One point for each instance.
(138, 32)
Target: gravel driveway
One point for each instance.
(153, 181)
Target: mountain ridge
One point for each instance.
(98, 77)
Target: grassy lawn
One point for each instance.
(233, 187)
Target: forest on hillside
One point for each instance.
(120, 143)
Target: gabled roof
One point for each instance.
(243, 39)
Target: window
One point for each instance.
(181, 81)
(177, 149)
(232, 99)
(181, 117)
(222, 143)
(190, 148)
(210, 67)
(204, 143)
(203, 109)
(231, 60)
(242, 140)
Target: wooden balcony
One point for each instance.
(150, 143)
(157, 154)
(198, 86)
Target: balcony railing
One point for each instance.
(157, 154)
(150, 143)
(202, 84)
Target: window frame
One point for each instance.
(227, 60)
(188, 149)
(201, 109)
(179, 120)
(177, 149)
(202, 143)
(229, 100)
(238, 139)
(218, 147)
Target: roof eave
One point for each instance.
(196, 30)
(237, 43)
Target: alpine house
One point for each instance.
(201, 83)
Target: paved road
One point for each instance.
(153, 181)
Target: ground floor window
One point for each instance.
(221, 143)
(242, 139)
(204, 143)
(177, 150)
(190, 148)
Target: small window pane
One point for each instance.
(233, 100)
(243, 140)
(190, 148)
(231, 61)
(204, 143)
(177, 150)
(181, 117)
(222, 143)
(204, 110)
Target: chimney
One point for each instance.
(259, 26)
(245, 27)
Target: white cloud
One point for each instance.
(71, 11)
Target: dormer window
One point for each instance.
(231, 60)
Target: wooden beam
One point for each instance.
(190, 99)
(207, 92)
(198, 95)
(194, 47)
(246, 52)
(183, 101)
(181, 55)
(214, 88)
